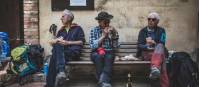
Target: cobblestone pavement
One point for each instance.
(83, 83)
(80, 84)
(33, 84)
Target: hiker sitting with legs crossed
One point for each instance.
(151, 46)
(67, 46)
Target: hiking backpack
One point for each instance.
(36, 55)
(4, 45)
(182, 71)
(20, 61)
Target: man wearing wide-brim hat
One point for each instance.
(104, 16)
(103, 38)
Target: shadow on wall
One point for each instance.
(100, 5)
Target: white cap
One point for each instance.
(154, 15)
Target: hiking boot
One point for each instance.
(68, 72)
(60, 78)
(155, 73)
(106, 84)
(103, 84)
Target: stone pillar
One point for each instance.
(31, 21)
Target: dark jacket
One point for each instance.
(75, 33)
(160, 37)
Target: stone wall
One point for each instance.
(178, 17)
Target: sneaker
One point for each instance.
(68, 72)
(155, 73)
(60, 78)
(106, 84)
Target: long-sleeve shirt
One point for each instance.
(74, 33)
(158, 35)
(107, 43)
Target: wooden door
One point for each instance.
(11, 15)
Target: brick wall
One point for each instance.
(31, 21)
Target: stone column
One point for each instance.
(31, 21)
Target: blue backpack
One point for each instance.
(4, 45)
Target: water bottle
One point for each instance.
(45, 69)
(5, 49)
(1, 42)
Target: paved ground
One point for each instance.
(85, 79)
(79, 84)
(89, 82)
(33, 84)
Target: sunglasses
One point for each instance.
(153, 19)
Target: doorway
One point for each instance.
(12, 21)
